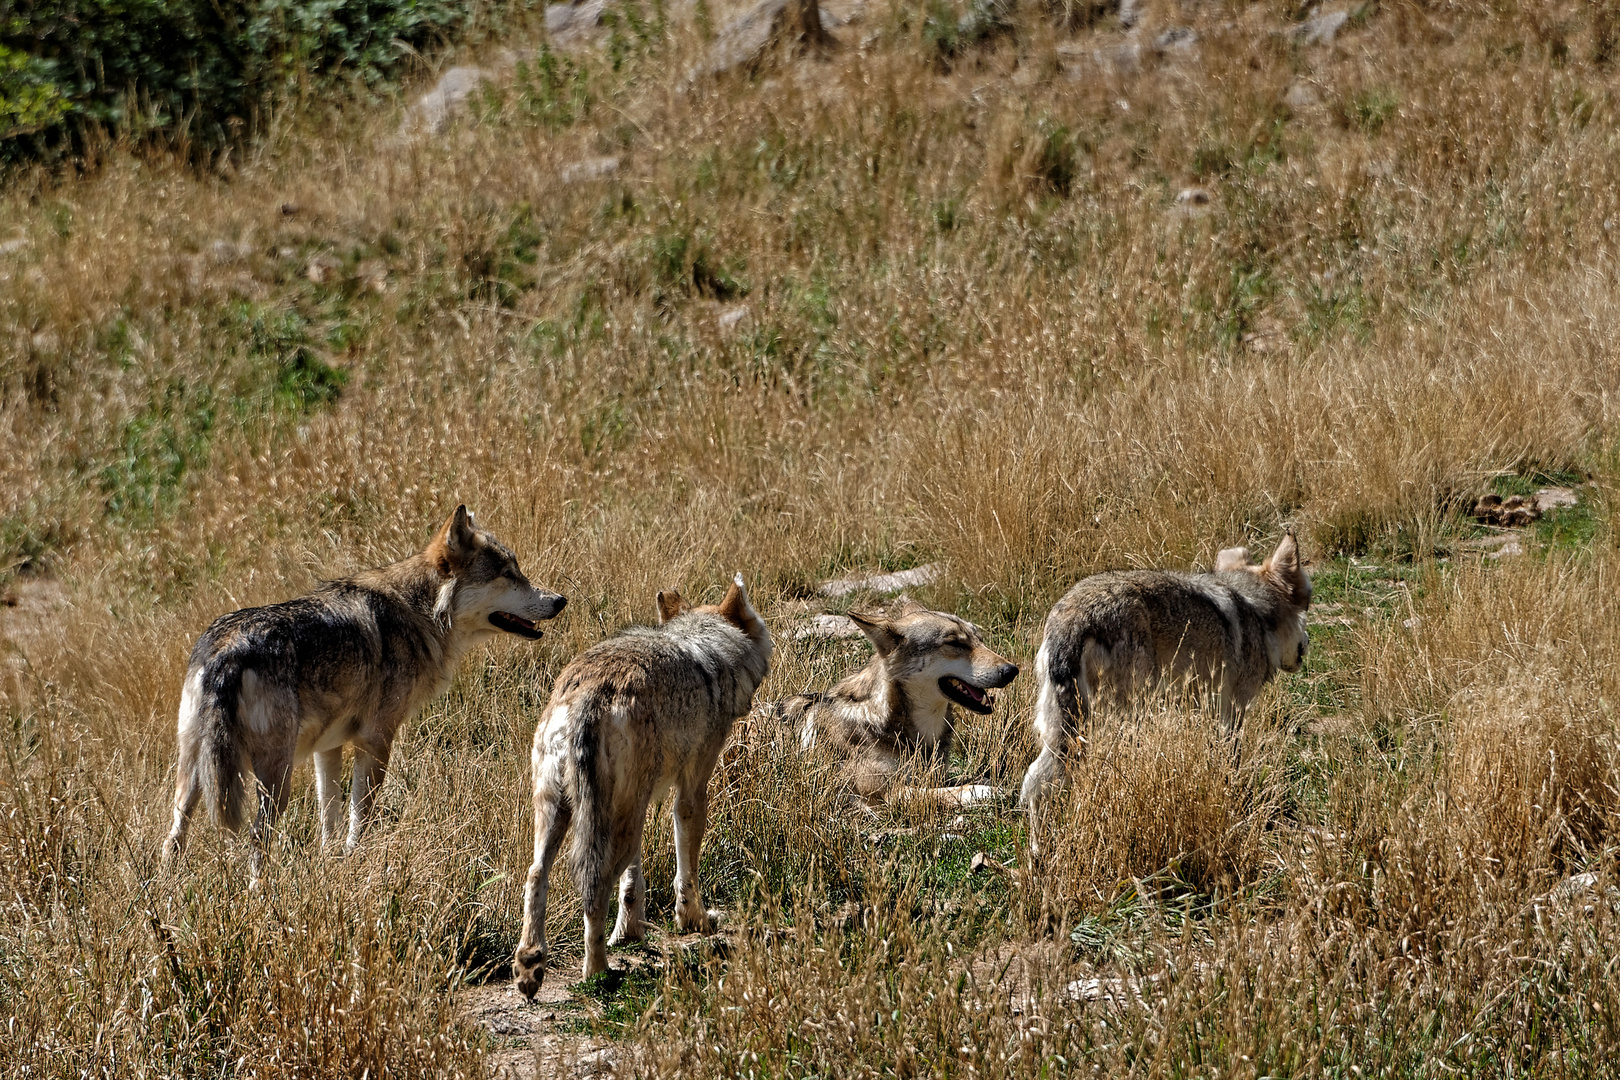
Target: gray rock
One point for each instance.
(434, 109)
(884, 583)
(1301, 95)
(571, 25)
(1177, 39)
(1130, 12)
(596, 168)
(827, 626)
(1193, 196)
(743, 42)
(1322, 29)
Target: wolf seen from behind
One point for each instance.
(1224, 633)
(897, 712)
(346, 664)
(645, 711)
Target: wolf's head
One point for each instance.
(935, 655)
(481, 589)
(736, 610)
(1290, 590)
(734, 607)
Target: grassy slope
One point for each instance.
(979, 328)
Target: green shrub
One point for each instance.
(192, 69)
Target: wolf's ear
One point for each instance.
(454, 539)
(670, 605)
(908, 606)
(1284, 567)
(736, 609)
(879, 630)
(1232, 558)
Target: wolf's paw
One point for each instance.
(529, 966)
(627, 936)
(695, 920)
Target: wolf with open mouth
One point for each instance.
(346, 664)
(897, 712)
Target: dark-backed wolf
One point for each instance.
(629, 718)
(347, 663)
(1226, 633)
(897, 711)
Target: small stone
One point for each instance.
(14, 245)
(448, 97)
(1177, 39)
(827, 626)
(596, 168)
(1320, 30)
(744, 41)
(1555, 498)
(1193, 196)
(571, 25)
(290, 209)
(322, 268)
(1301, 95)
(732, 317)
(373, 275)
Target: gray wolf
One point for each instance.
(346, 664)
(1225, 633)
(898, 711)
(644, 711)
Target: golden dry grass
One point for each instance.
(953, 349)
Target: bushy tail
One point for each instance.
(218, 759)
(589, 785)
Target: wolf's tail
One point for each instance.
(1062, 709)
(591, 791)
(217, 757)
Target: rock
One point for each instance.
(1555, 498)
(731, 318)
(827, 626)
(743, 42)
(572, 25)
(885, 583)
(434, 109)
(322, 268)
(14, 245)
(1130, 12)
(1301, 95)
(289, 209)
(1177, 39)
(1193, 196)
(1513, 512)
(596, 168)
(1320, 30)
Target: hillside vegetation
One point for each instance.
(988, 287)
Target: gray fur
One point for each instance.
(1225, 634)
(633, 716)
(346, 664)
(894, 714)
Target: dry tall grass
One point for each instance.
(979, 327)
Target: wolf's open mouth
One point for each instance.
(967, 695)
(515, 624)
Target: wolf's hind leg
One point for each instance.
(691, 817)
(631, 924)
(329, 793)
(272, 776)
(188, 792)
(551, 820)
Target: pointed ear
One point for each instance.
(670, 605)
(453, 541)
(1285, 569)
(908, 606)
(1232, 558)
(736, 609)
(879, 630)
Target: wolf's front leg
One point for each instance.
(329, 793)
(370, 765)
(551, 818)
(691, 818)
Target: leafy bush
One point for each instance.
(191, 68)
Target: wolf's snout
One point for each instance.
(1007, 674)
(557, 604)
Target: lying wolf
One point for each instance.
(1226, 633)
(897, 710)
(629, 718)
(348, 663)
